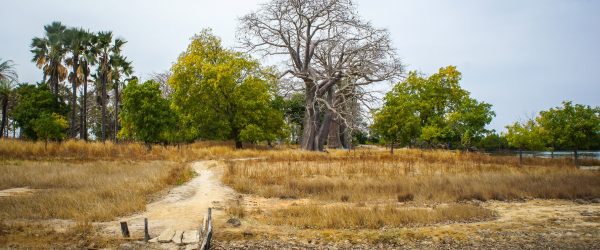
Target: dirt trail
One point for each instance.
(184, 207)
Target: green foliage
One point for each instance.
(220, 94)
(432, 111)
(146, 116)
(493, 141)
(570, 126)
(33, 102)
(50, 127)
(525, 135)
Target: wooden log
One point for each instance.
(146, 234)
(124, 229)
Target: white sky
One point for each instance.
(520, 56)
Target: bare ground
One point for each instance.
(184, 207)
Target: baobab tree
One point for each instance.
(325, 42)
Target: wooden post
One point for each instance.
(146, 234)
(207, 231)
(124, 229)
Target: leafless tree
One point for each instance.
(163, 80)
(325, 42)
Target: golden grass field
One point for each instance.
(281, 191)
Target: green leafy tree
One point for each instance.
(493, 141)
(146, 116)
(33, 101)
(572, 127)
(432, 110)
(219, 93)
(50, 127)
(524, 136)
(397, 122)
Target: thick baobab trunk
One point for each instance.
(345, 136)
(326, 123)
(4, 115)
(335, 140)
(73, 122)
(311, 120)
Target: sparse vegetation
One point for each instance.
(348, 217)
(96, 191)
(424, 176)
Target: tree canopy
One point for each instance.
(221, 94)
(432, 111)
(35, 102)
(146, 116)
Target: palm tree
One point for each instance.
(8, 75)
(48, 54)
(6, 88)
(88, 59)
(103, 43)
(74, 40)
(121, 67)
(7, 70)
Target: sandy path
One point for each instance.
(184, 207)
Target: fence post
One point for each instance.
(124, 229)
(206, 230)
(146, 234)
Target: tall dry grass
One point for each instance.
(97, 191)
(412, 175)
(349, 217)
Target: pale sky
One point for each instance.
(520, 56)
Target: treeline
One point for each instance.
(568, 127)
(435, 112)
(79, 94)
(318, 98)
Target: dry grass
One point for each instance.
(96, 191)
(348, 217)
(31, 235)
(435, 176)
(80, 150)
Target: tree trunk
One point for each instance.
(103, 105)
(326, 123)
(73, 122)
(4, 115)
(334, 139)
(520, 156)
(83, 127)
(576, 157)
(235, 134)
(392, 147)
(116, 129)
(311, 119)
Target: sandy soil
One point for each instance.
(184, 207)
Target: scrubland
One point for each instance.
(362, 195)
